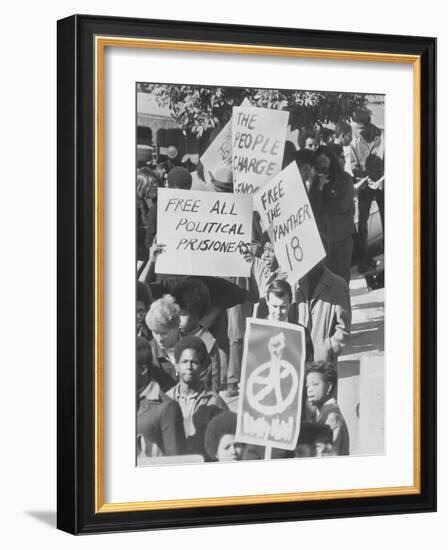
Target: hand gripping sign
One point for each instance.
(258, 143)
(287, 216)
(271, 389)
(203, 233)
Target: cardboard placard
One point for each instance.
(271, 387)
(219, 153)
(287, 216)
(203, 233)
(258, 143)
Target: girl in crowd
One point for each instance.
(321, 381)
(220, 441)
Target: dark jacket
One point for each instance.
(159, 423)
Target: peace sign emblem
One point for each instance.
(267, 377)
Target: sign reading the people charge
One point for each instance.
(219, 153)
(203, 233)
(258, 143)
(287, 216)
(273, 366)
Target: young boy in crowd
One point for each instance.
(198, 404)
(220, 438)
(314, 440)
(193, 298)
(321, 380)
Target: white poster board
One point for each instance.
(287, 215)
(219, 153)
(203, 233)
(258, 143)
(271, 388)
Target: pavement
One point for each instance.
(360, 369)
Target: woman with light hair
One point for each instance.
(163, 319)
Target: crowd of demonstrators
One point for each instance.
(190, 329)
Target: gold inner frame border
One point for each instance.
(101, 42)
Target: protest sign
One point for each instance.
(287, 216)
(203, 232)
(219, 154)
(258, 143)
(271, 387)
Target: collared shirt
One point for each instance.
(330, 414)
(361, 148)
(198, 408)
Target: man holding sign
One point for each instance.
(270, 405)
(258, 140)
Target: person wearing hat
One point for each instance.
(198, 404)
(220, 441)
(179, 178)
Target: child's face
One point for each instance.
(228, 450)
(141, 312)
(317, 390)
(166, 337)
(143, 351)
(268, 255)
(324, 449)
(311, 143)
(188, 322)
(189, 367)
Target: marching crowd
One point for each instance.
(190, 329)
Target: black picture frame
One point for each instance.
(76, 474)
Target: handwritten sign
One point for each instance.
(258, 143)
(287, 216)
(203, 233)
(219, 153)
(271, 387)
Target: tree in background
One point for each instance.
(199, 110)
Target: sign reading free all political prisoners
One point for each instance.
(203, 232)
(258, 142)
(287, 216)
(271, 387)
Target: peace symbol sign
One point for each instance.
(269, 377)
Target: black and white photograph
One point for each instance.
(260, 274)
